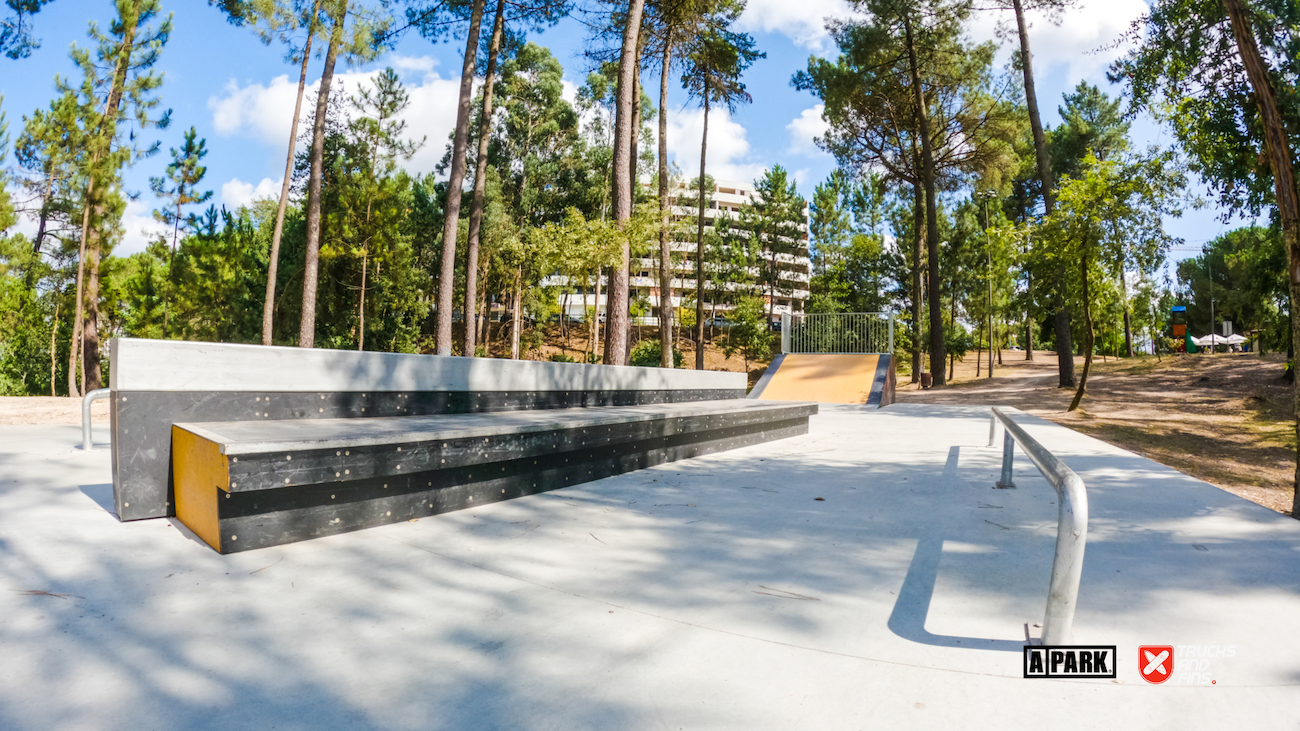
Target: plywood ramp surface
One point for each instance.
(829, 379)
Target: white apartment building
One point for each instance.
(728, 197)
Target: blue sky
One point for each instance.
(239, 93)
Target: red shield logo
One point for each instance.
(1156, 662)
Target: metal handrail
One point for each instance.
(91, 397)
(1071, 525)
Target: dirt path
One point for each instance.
(1224, 418)
(40, 410)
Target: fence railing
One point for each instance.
(838, 332)
(1071, 524)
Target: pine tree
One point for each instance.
(127, 53)
(179, 187)
(715, 61)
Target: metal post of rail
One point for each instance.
(891, 333)
(93, 396)
(1008, 459)
(785, 332)
(1071, 527)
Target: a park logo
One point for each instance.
(1070, 661)
(1156, 662)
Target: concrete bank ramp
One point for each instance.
(866, 379)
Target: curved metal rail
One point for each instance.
(90, 398)
(1071, 525)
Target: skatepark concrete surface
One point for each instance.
(714, 593)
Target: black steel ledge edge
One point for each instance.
(141, 422)
(268, 518)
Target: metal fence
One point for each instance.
(838, 332)
(1071, 524)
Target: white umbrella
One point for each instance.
(1236, 339)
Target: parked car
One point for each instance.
(718, 321)
(774, 326)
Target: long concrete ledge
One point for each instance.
(156, 383)
(172, 365)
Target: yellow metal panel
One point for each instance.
(829, 379)
(201, 475)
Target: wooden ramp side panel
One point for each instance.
(201, 474)
(828, 379)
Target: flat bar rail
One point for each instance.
(1071, 524)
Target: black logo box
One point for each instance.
(1052, 661)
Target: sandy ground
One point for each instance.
(39, 410)
(1221, 418)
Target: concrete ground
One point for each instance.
(716, 593)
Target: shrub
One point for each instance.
(647, 352)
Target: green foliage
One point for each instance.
(1244, 271)
(749, 333)
(1091, 122)
(957, 340)
(180, 185)
(646, 354)
(1187, 70)
(869, 99)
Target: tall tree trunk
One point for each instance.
(516, 319)
(699, 246)
(54, 346)
(1128, 316)
(616, 305)
(74, 350)
(483, 324)
(931, 210)
(93, 238)
(1088, 336)
(44, 216)
(1064, 348)
(90, 319)
(361, 304)
(1278, 150)
(1029, 321)
(635, 142)
(311, 268)
(918, 211)
(455, 181)
(480, 181)
(268, 306)
(594, 329)
(665, 249)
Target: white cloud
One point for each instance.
(139, 229)
(802, 22)
(728, 146)
(422, 64)
(265, 112)
(1083, 30)
(804, 129)
(237, 193)
(255, 110)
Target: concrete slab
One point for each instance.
(712, 593)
